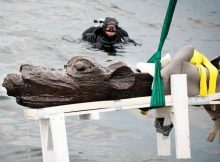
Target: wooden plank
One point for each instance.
(59, 138)
(180, 115)
(105, 106)
(215, 96)
(163, 142)
(47, 148)
(210, 99)
(88, 107)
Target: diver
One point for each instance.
(107, 34)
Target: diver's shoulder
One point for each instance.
(123, 32)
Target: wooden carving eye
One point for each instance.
(80, 66)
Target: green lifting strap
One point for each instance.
(158, 96)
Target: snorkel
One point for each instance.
(99, 21)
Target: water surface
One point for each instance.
(32, 32)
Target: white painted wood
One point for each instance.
(90, 107)
(106, 106)
(58, 132)
(163, 145)
(146, 67)
(163, 142)
(47, 148)
(180, 115)
(205, 100)
(165, 60)
(53, 131)
(215, 96)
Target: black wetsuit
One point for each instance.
(97, 37)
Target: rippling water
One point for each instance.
(36, 32)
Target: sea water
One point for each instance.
(48, 33)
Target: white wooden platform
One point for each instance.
(53, 131)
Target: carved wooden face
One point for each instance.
(82, 80)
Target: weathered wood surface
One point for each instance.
(81, 80)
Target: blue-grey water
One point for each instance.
(35, 32)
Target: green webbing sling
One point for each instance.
(158, 96)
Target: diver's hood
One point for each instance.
(109, 20)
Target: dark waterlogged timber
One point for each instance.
(83, 80)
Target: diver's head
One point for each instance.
(110, 26)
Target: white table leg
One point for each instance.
(59, 137)
(46, 141)
(163, 142)
(54, 139)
